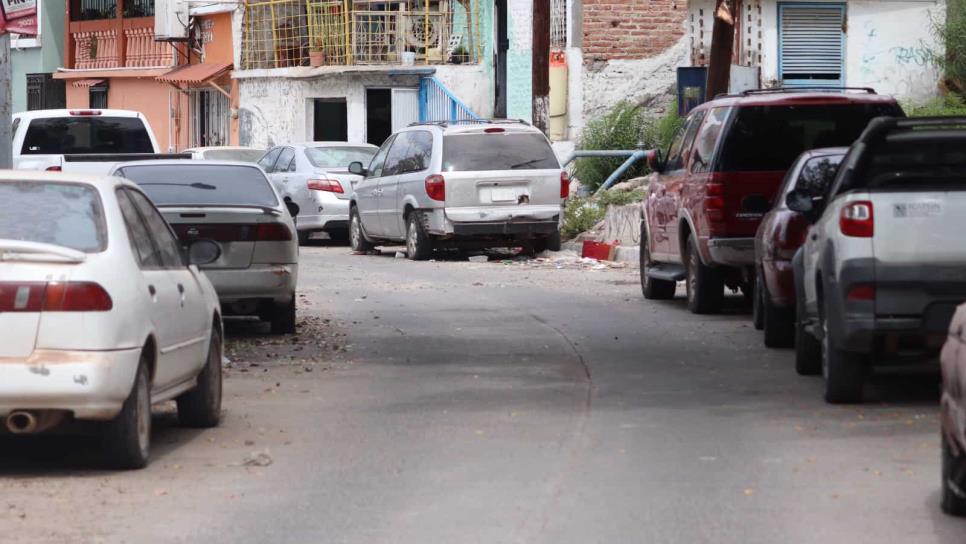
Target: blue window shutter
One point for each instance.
(811, 44)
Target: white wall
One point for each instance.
(471, 83)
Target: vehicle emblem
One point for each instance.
(193, 232)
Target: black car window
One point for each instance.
(86, 135)
(476, 152)
(419, 153)
(285, 160)
(916, 160)
(707, 140)
(268, 161)
(683, 141)
(164, 240)
(397, 154)
(379, 161)
(770, 138)
(194, 183)
(149, 257)
(817, 174)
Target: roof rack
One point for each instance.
(467, 121)
(818, 88)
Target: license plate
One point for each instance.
(504, 195)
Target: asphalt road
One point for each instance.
(468, 402)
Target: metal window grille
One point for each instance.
(282, 33)
(811, 43)
(35, 91)
(210, 118)
(558, 25)
(45, 92)
(89, 10)
(138, 8)
(97, 96)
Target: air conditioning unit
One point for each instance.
(171, 20)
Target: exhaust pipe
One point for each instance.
(21, 422)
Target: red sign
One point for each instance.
(18, 16)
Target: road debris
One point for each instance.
(258, 459)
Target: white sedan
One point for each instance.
(102, 312)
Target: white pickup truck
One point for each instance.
(82, 140)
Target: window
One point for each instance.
(148, 256)
(202, 184)
(45, 93)
(268, 161)
(97, 95)
(167, 244)
(811, 39)
(397, 153)
(85, 135)
(411, 152)
(63, 214)
(682, 142)
(338, 157)
(817, 174)
(707, 140)
(376, 166)
(210, 118)
(285, 159)
(497, 151)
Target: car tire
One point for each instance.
(127, 437)
(357, 236)
(954, 480)
(757, 311)
(419, 247)
(553, 242)
(651, 288)
(340, 236)
(201, 407)
(304, 237)
(283, 317)
(777, 322)
(844, 371)
(705, 285)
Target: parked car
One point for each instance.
(227, 153)
(953, 416)
(720, 176)
(102, 312)
(781, 233)
(490, 183)
(881, 271)
(85, 141)
(316, 177)
(235, 205)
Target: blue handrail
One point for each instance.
(437, 103)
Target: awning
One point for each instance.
(86, 82)
(195, 74)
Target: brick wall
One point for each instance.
(631, 29)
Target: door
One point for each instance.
(388, 190)
(404, 108)
(378, 115)
(811, 44)
(191, 322)
(409, 179)
(502, 46)
(162, 301)
(667, 191)
(330, 122)
(367, 192)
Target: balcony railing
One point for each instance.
(114, 34)
(287, 33)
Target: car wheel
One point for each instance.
(127, 438)
(283, 317)
(339, 236)
(705, 285)
(808, 350)
(418, 245)
(553, 242)
(777, 322)
(201, 407)
(844, 371)
(357, 238)
(304, 237)
(953, 500)
(757, 312)
(651, 288)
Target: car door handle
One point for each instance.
(181, 291)
(152, 290)
(814, 236)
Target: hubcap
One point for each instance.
(411, 238)
(354, 232)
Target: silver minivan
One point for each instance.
(477, 184)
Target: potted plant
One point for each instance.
(459, 55)
(317, 54)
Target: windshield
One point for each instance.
(770, 138)
(63, 214)
(241, 155)
(86, 135)
(338, 157)
(497, 151)
(196, 184)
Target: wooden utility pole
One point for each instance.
(722, 48)
(6, 103)
(541, 64)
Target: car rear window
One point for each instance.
(202, 185)
(915, 163)
(338, 157)
(241, 155)
(86, 135)
(770, 138)
(497, 151)
(64, 214)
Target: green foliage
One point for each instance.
(625, 126)
(581, 214)
(949, 104)
(620, 198)
(951, 55)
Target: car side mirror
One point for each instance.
(202, 252)
(803, 203)
(654, 160)
(356, 168)
(293, 208)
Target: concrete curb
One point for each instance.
(623, 254)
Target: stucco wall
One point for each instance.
(520, 60)
(471, 83)
(36, 60)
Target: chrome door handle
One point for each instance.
(181, 291)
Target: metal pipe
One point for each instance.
(21, 422)
(616, 174)
(598, 153)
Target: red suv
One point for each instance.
(720, 176)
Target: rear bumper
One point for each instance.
(258, 282)
(505, 228)
(731, 251)
(779, 279)
(90, 384)
(332, 213)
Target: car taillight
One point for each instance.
(54, 169)
(272, 232)
(327, 185)
(564, 184)
(85, 112)
(857, 219)
(436, 187)
(714, 202)
(793, 237)
(494, 130)
(861, 293)
(76, 297)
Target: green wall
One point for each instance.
(44, 59)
